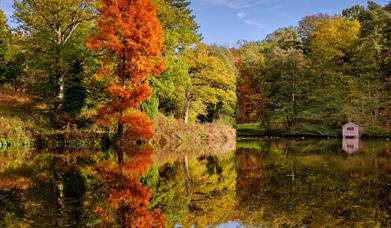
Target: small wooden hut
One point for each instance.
(351, 130)
(351, 145)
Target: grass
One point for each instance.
(300, 130)
(18, 118)
(306, 130)
(249, 130)
(24, 123)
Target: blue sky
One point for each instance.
(225, 22)
(6, 6)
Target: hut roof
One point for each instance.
(350, 124)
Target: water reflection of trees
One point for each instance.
(284, 183)
(200, 193)
(46, 190)
(78, 189)
(328, 188)
(127, 198)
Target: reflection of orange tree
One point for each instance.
(128, 198)
(131, 35)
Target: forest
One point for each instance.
(326, 71)
(307, 79)
(115, 113)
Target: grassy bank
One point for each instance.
(181, 139)
(18, 118)
(302, 130)
(305, 130)
(24, 124)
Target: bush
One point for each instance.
(14, 132)
(376, 132)
(193, 138)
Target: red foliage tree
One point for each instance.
(131, 34)
(250, 96)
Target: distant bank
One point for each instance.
(256, 129)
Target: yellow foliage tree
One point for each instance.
(334, 38)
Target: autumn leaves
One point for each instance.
(130, 35)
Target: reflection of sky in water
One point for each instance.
(231, 224)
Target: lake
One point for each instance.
(268, 183)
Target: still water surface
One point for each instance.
(263, 183)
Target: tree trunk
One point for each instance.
(117, 143)
(59, 93)
(377, 107)
(186, 107)
(187, 174)
(288, 122)
(121, 209)
(60, 84)
(121, 215)
(15, 85)
(186, 112)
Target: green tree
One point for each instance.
(4, 39)
(179, 26)
(331, 50)
(208, 81)
(285, 38)
(15, 63)
(52, 25)
(285, 85)
(307, 25)
(371, 63)
(223, 111)
(333, 40)
(180, 32)
(353, 13)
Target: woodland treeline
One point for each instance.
(311, 78)
(316, 76)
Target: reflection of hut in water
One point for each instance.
(351, 145)
(351, 130)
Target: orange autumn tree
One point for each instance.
(131, 34)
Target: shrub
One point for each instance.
(15, 132)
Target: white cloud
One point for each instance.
(257, 24)
(242, 14)
(275, 9)
(244, 17)
(242, 6)
(239, 4)
(246, 5)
